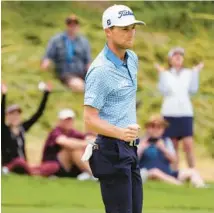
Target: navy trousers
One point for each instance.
(115, 163)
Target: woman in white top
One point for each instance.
(176, 85)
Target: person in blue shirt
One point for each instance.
(71, 55)
(156, 154)
(110, 112)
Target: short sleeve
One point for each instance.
(53, 136)
(97, 88)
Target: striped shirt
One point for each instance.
(111, 86)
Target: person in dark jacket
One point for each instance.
(13, 133)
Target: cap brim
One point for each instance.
(139, 22)
(14, 110)
(130, 23)
(67, 117)
(173, 51)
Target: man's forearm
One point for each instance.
(102, 127)
(73, 143)
(45, 64)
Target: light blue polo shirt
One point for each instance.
(111, 87)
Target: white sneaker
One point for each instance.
(93, 178)
(84, 176)
(5, 170)
(144, 175)
(203, 186)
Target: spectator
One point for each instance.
(63, 150)
(71, 54)
(156, 153)
(176, 85)
(13, 133)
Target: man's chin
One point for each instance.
(128, 46)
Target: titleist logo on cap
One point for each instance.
(125, 13)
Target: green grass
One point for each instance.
(31, 195)
(27, 26)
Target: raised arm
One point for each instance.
(29, 123)
(3, 103)
(194, 83)
(163, 83)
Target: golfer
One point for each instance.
(110, 111)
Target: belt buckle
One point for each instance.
(132, 143)
(95, 147)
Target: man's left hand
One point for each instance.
(199, 67)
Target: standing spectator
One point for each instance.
(13, 133)
(156, 154)
(71, 54)
(176, 85)
(63, 150)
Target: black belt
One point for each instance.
(131, 143)
(134, 142)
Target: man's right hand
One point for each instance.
(45, 64)
(129, 133)
(3, 88)
(159, 67)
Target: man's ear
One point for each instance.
(108, 32)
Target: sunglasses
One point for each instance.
(155, 126)
(70, 21)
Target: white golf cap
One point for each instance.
(119, 15)
(66, 113)
(176, 50)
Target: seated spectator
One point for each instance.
(157, 153)
(71, 54)
(63, 150)
(177, 84)
(13, 133)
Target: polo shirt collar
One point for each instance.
(113, 58)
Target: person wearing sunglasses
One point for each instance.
(156, 154)
(71, 54)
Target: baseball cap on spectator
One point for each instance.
(66, 113)
(176, 50)
(157, 119)
(13, 108)
(119, 15)
(72, 19)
